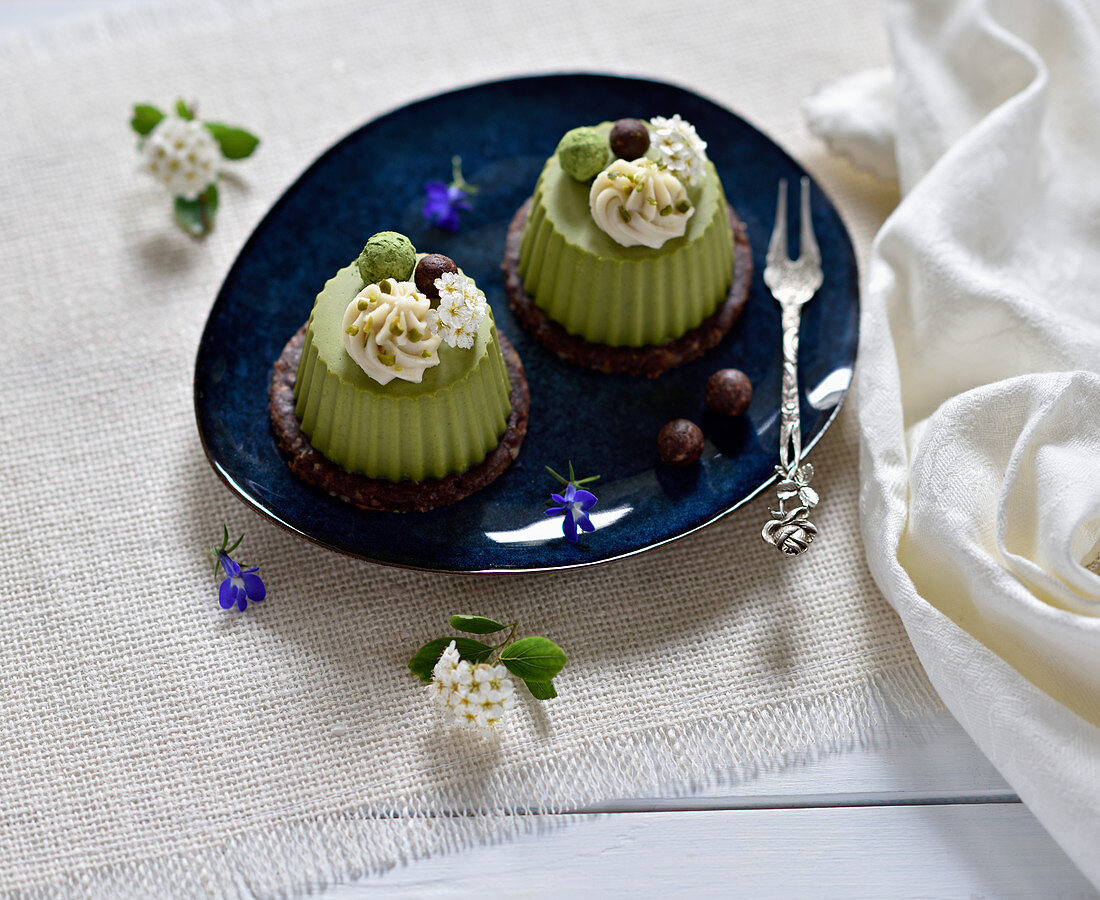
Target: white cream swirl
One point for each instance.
(386, 332)
(639, 202)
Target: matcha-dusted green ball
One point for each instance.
(583, 153)
(387, 255)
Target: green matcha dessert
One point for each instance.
(403, 396)
(628, 258)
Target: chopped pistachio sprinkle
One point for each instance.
(387, 359)
(363, 303)
(624, 214)
(395, 328)
(667, 210)
(652, 201)
(384, 286)
(352, 330)
(683, 206)
(414, 335)
(427, 354)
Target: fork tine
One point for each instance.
(777, 246)
(808, 243)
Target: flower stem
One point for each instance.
(456, 175)
(508, 640)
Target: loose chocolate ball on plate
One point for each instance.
(728, 392)
(429, 269)
(680, 443)
(629, 139)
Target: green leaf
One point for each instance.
(236, 143)
(426, 657)
(145, 118)
(476, 625)
(183, 110)
(542, 690)
(236, 544)
(559, 478)
(533, 658)
(196, 217)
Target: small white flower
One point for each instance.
(681, 150)
(477, 695)
(438, 690)
(462, 307)
(454, 314)
(462, 337)
(182, 155)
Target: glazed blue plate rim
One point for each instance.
(227, 463)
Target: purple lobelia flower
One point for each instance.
(574, 504)
(443, 202)
(239, 585)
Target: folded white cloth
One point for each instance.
(979, 392)
(857, 117)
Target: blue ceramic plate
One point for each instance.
(606, 424)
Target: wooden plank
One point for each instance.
(982, 850)
(930, 759)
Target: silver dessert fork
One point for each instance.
(792, 282)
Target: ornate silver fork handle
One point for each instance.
(792, 282)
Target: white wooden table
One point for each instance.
(912, 811)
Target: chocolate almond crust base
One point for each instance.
(652, 360)
(378, 493)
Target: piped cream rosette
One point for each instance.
(639, 203)
(387, 332)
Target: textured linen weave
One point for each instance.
(155, 745)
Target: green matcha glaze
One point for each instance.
(623, 296)
(401, 430)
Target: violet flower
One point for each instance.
(240, 585)
(443, 202)
(574, 504)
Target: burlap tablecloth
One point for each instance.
(155, 745)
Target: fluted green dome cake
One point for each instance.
(402, 390)
(628, 257)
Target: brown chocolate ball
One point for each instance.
(728, 392)
(680, 443)
(429, 269)
(629, 139)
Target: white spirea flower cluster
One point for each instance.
(680, 148)
(477, 695)
(182, 155)
(462, 306)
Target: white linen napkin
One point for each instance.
(856, 115)
(979, 387)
